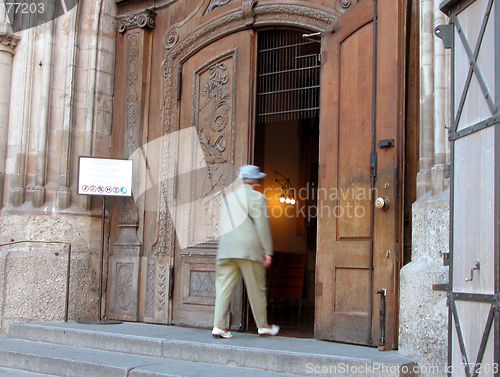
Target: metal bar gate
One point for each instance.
(474, 280)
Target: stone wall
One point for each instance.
(57, 106)
(33, 275)
(60, 105)
(423, 325)
(34, 282)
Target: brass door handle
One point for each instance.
(382, 203)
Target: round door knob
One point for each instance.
(382, 203)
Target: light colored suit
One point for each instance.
(244, 226)
(245, 237)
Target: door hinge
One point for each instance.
(447, 171)
(373, 165)
(382, 293)
(445, 287)
(179, 83)
(386, 143)
(445, 32)
(496, 302)
(446, 259)
(171, 282)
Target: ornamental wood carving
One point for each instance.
(142, 19)
(215, 4)
(161, 287)
(124, 290)
(133, 104)
(213, 115)
(202, 284)
(150, 290)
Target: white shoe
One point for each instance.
(219, 333)
(274, 330)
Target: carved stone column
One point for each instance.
(426, 161)
(434, 107)
(8, 42)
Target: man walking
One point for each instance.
(245, 249)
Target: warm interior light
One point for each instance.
(285, 185)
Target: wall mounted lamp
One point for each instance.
(285, 185)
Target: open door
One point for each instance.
(214, 139)
(359, 195)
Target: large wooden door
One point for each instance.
(359, 249)
(214, 139)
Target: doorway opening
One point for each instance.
(286, 147)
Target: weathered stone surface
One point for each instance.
(3, 259)
(423, 326)
(33, 279)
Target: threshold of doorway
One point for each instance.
(246, 350)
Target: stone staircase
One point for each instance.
(143, 350)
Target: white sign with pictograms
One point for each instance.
(104, 176)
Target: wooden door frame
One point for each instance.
(186, 38)
(197, 31)
(385, 181)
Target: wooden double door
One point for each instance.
(360, 154)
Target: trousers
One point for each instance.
(227, 273)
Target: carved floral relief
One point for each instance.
(124, 290)
(213, 111)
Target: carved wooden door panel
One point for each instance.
(358, 251)
(214, 139)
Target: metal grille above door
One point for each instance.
(288, 76)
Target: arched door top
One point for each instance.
(199, 30)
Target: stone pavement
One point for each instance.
(146, 350)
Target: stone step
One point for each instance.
(277, 354)
(31, 359)
(8, 372)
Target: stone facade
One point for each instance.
(423, 326)
(56, 103)
(35, 272)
